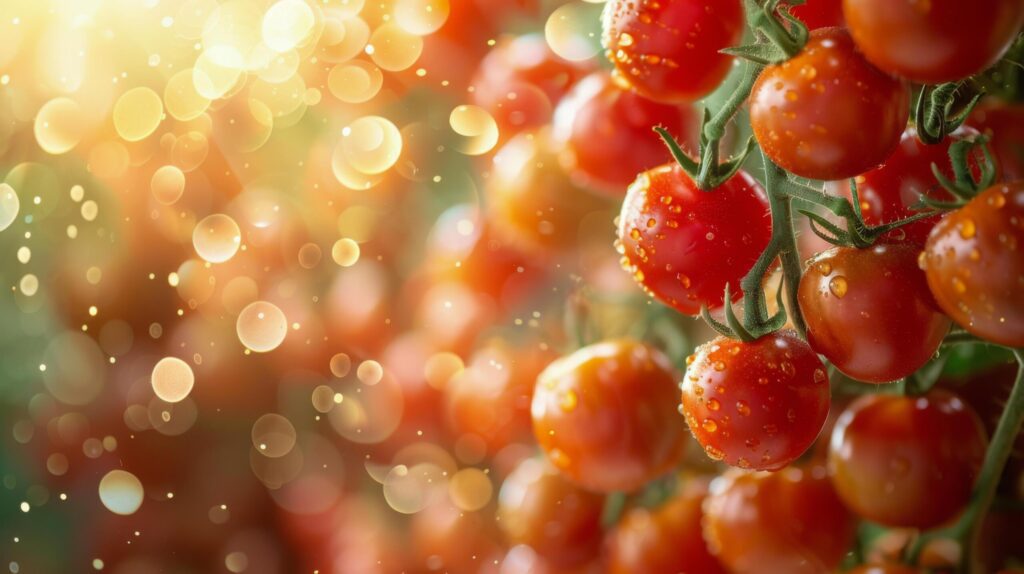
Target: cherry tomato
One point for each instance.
(606, 131)
(1004, 124)
(682, 245)
(883, 569)
(869, 311)
(907, 461)
(820, 13)
(540, 508)
(665, 539)
(670, 50)
(974, 265)
(448, 539)
(756, 405)
(607, 415)
(789, 521)
(934, 42)
(826, 113)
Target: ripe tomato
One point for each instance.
(606, 131)
(820, 13)
(907, 461)
(826, 113)
(607, 415)
(682, 245)
(669, 50)
(1004, 124)
(869, 311)
(448, 539)
(974, 265)
(756, 405)
(883, 569)
(540, 508)
(664, 539)
(936, 41)
(789, 521)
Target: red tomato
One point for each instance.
(559, 520)
(756, 405)
(448, 539)
(607, 133)
(789, 521)
(820, 13)
(907, 461)
(1004, 124)
(869, 311)
(682, 245)
(607, 415)
(664, 539)
(974, 264)
(883, 569)
(935, 41)
(670, 50)
(826, 113)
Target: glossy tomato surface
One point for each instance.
(827, 113)
(974, 262)
(1003, 123)
(869, 311)
(670, 50)
(820, 13)
(682, 245)
(935, 41)
(607, 415)
(756, 405)
(907, 461)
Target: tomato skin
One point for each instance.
(975, 268)
(756, 405)
(937, 42)
(682, 245)
(869, 311)
(907, 461)
(820, 13)
(827, 113)
(643, 39)
(1003, 122)
(790, 521)
(607, 133)
(607, 416)
(540, 508)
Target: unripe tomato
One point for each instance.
(827, 113)
(669, 50)
(907, 461)
(682, 244)
(559, 520)
(789, 521)
(936, 41)
(607, 133)
(1004, 123)
(756, 405)
(820, 13)
(607, 415)
(869, 311)
(975, 266)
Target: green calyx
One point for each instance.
(934, 113)
(964, 185)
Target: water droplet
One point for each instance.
(820, 376)
(709, 425)
(967, 228)
(569, 401)
(714, 453)
(684, 281)
(838, 286)
(788, 368)
(825, 268)
(719, 366)
(713, 405)
(959, 286)
(742, 408)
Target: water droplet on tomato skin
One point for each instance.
(838, 286)
(709, 425)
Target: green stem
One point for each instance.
(779, 198)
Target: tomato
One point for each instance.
(933, 42)
(670, 50)
(607, 133)
(446, 538)
(820, 13)
(540, 508)
(789, 521)
(826, 113)
(883, 569)
(607, 415)
(664, 539)
(756, 405)
(907, 461)
(1004, 124)
(682, 244)
(974, 264)
(522, 559)
(869, 311)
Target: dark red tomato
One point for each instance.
(669, 50)
(756, 405)
(664, 539)
(520, 81)
(607, 415)
(682, 245)
(884, 569)
(541, 509)
(827, 113)
(1004, 124)
(907, 461)
(869, 311)
(606, 131)
(820, 13)
(789, 521)
(888, 192)
(935, 41)
(975, 264)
